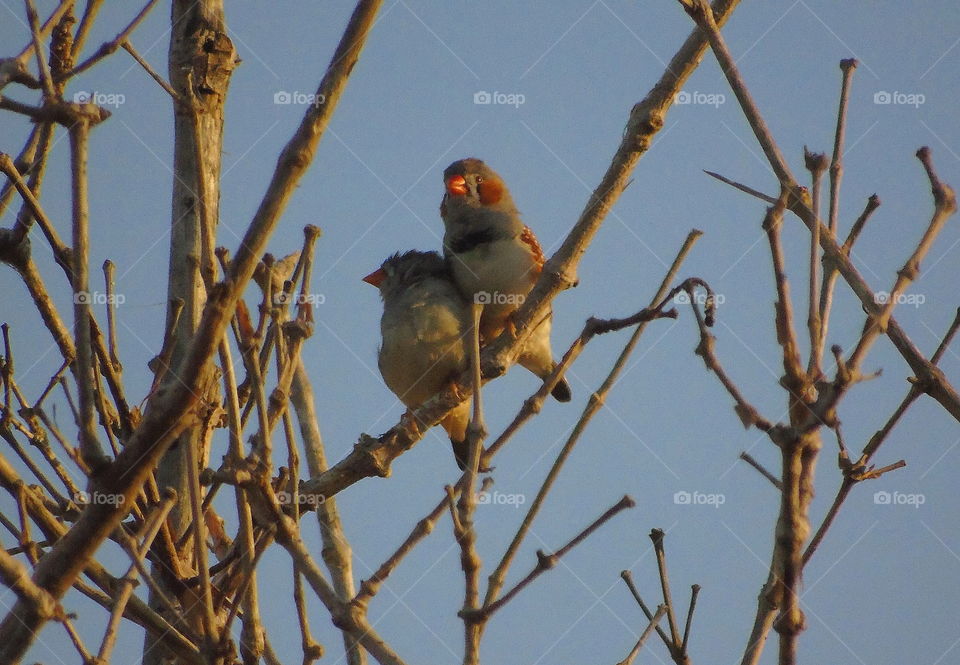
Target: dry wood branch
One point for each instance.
(938, 387)
(706, 349)
(656, 535)
(533, 404)
(945, 204)
(169, 411)
(628, 579)
(60, 251)
(44, 31)
(86, 23)
(763, 471)
(138, 611)
(594, 404)
(46, 79)
(336, 551)
(635, 651)
(743, 188)
(128, 47)
(90, 448)
(16, 577)
(795, 379)
(547, 561)
(109, 271)
(108, 48)
(816, 163)
(836, 176)
(199, 529)
(251, 639)
(854, 472)
(694, 592)
(344, 615)
(24, 162)
(466, 507)
(148, 531)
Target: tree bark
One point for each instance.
(201, 59)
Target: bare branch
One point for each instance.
(759, 467)
(547, 561)
(108, 48)
(661, 610)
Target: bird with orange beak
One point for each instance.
(494, 258)
(424, 328)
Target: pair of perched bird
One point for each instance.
(490, 258)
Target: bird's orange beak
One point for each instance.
(457, 185)
(376, 277)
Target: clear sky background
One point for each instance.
(883, 586)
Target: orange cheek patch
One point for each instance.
(490, 191)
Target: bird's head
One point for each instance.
(400, 271)
(472, 185)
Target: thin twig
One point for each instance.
(743, 188)
(635, 651)
(46, 79)
(816, 163)
(148, 531)
(109, 270)
(108, 48)
(162, 82)
(694, 592)
(746, 457)
(547, 561)
(836, 176)
(656, 535)
(628, 579)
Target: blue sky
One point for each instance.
(885, 572)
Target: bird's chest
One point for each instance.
(499, 271)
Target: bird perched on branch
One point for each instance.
(425, 328)
(494, 258)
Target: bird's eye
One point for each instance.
(479, 179)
